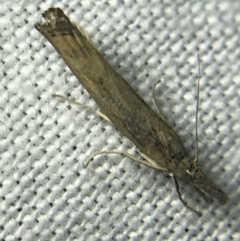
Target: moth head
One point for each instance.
(205, 184)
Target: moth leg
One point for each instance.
(155, 104)
(180, 196)
(149, 160)
(126, 154)
(154, 99)
(99, 113)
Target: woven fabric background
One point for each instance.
(46, 194)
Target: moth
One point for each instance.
(155, 139)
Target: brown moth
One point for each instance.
(155, 139)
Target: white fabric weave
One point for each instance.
(46, 194)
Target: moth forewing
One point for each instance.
(120, 103)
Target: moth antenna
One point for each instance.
(197, 109)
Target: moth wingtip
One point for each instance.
(51, 17)
(37, 25)
(41, 25)
(53, 13)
